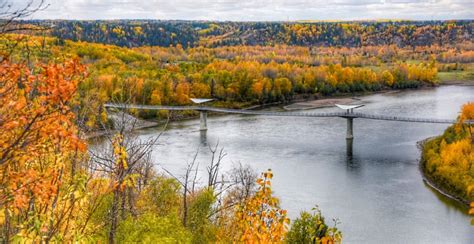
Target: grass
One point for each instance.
(466, 76)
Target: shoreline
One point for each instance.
(430, 181)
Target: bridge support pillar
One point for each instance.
(203, 120)
(350, 134)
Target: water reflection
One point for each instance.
(203, 137)
(451, 204)
(349, 146)
(352, 162)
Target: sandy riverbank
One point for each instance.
(320, 103)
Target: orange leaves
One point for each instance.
(58, 82)
(259, 219)
(42, 186)
(200, 89)
(182, 93)
(120, 152)
(38, 138)
(33, 105)
(467, 111)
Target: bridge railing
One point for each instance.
(288, 114)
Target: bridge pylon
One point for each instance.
(202, 120)
(202, 112)
(349, 116)
(350, 131)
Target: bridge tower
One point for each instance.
(202, 113)
(349, 116)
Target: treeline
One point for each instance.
(460, 53)
(448, 160)
(133, 33)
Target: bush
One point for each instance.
(311, 228)
(150, 228)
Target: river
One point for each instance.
(377, 193)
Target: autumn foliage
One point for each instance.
(53, 190)
(449, 159)
(39, 150)
(135, 33)
(260, 219)
(234, 76)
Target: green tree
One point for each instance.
(200, 210)
(150, 228)
(312, 228)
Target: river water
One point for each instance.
(377, 193)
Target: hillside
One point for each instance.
(133, 33)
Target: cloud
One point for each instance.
(256, 10)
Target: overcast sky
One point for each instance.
(255, 10)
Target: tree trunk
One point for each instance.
(185, 205)
(123, 204)
(470, 130)
(131, 202)
(114, 216)
(7, 227)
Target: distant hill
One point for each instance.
(134, 33)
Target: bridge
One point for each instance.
(349, 114)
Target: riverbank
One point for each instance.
(457, 82)
(125, 120)
(319, 103)
(430, 181)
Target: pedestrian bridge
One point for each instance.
(348, 114)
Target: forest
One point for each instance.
(54, 83)
(449, 158)
(133, 33)
(238, 76)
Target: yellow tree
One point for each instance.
(387, 78)
(260, 219)
(467, 114)
(182, 93)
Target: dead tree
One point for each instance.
(10, 15)
(214, 167)
(230, 188)
(188, 181)
(138, 154)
